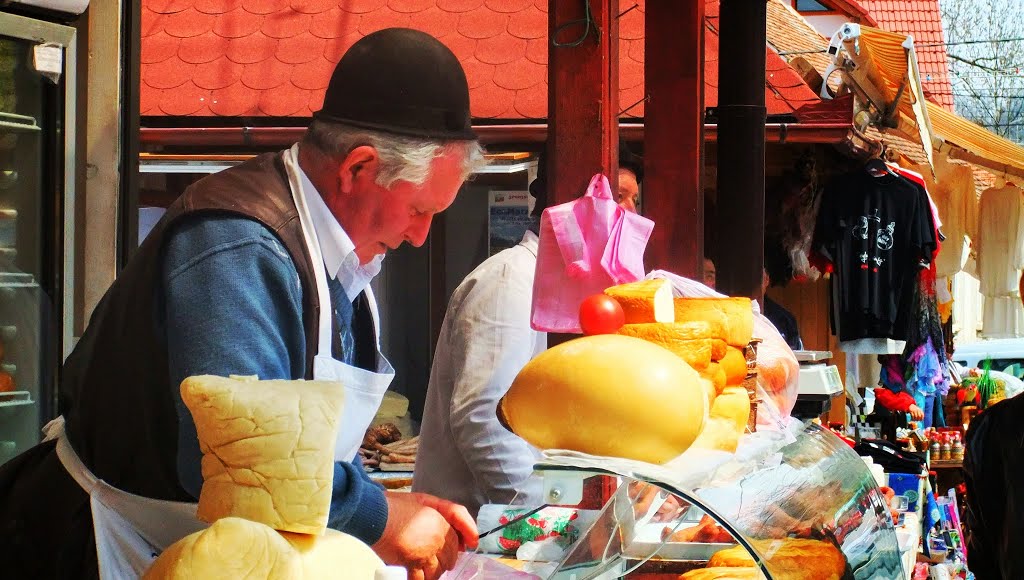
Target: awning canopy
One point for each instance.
(974, 144)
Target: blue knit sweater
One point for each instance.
(233, 306)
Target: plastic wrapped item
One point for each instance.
(777, 368)
(479, 567)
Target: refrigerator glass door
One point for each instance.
(32, 223)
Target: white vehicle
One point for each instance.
(1007, 355)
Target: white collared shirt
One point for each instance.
(337, 248)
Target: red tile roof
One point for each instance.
(273, 58)
(921, 19)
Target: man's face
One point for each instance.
(379, 219)
(628, 189)
(709, 273)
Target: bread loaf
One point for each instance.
(645, 301)
(734, 315)
(723, 574)
(586, 394)
(792, 558)
(268, 449)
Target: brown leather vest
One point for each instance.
(115, 391)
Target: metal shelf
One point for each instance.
(16, 399)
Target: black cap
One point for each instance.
(400, 81)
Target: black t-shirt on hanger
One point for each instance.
(877, 231)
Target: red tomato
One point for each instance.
(601, 314)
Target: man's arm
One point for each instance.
(491, 342)
(233, 305)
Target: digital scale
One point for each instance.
(819, 382)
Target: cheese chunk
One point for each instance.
(734, 314)
(268, 449)
(734, 363)
(678, 338)
(607, 395)
(645, 301)
(727, 421)
(715, 374)
(231, 548)
(236, 548)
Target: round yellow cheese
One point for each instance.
(608, 395)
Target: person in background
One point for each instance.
(709, 273)
(993, 472)
(631, 175)
(465, 454)
(232, 281)
(782, 319)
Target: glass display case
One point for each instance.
(791, 505)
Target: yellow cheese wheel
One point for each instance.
(645, 301)
(734, 314)
(735, 365)
(607, 395)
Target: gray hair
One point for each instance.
(401, 158)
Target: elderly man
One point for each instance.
(263, 270)
(465, 454)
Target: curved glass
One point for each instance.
(796, 505)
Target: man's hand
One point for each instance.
(424, 534)
(916, 413)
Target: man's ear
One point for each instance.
(361, 164)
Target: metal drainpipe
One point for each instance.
(739, 210)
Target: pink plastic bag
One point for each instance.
(586, 245)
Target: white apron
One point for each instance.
(131, 530)
(364, 390)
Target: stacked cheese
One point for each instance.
(710, 335)
(268, 468)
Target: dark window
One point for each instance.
(811, 6)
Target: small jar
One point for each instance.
(946, 451)
(935, 451)
(957, 451)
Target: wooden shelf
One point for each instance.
(946, 464)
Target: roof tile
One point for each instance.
(187, 99)
(336, 47)
(167, 74)
(380, 19)
(217, 74)
(508, 5)
(150, 22)
(361, 6)
(285, 24)
(631, 73)
(216, 6)
(459, 5)
(300, 48)
(491, 101)
(528, 23)
(482, 23)
(631, 101)
(237, 23)
(410, 6)
(284, 101)
(500, 49)
(334, 23)
(266, 75)
(149, 101)
(253, 48)
(313, 6)
(537, 50)
(264, 6)
(435, 22)
(159, 47)
(313, 75)
(462, 46)
(478, 73)
(202, 48)
(169, 6)
(316, 99)
(235, 100)
(519, 74)
(532, 104)
(188, 23)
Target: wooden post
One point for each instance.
(583, 95)
(674, 135)
(739, 220)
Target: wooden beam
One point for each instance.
(674, 135)
(583, 95)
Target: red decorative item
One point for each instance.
(601, 314)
